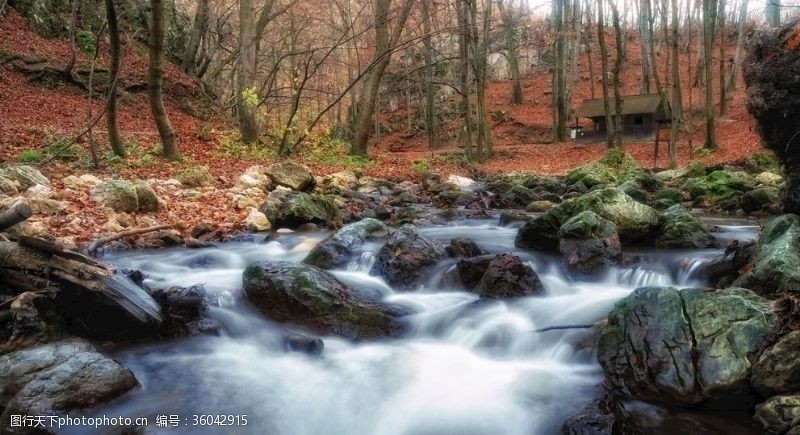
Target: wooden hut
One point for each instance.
(643, 115)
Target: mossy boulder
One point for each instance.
(777, 370)
(674, 195)
(718, 186)
(762, 161)
(760, 199)
(292, 175)
(292, 209)
(310, 297)
(25, 176)
(592, 174)
(686, 347)
(195, 176)
(780, 414)
(120, 195)
(340, 247)
(146, 197)
(614, 168)
(539, 206)
(776, 265)
(406, 255)
(8, 187)
(588, 243)
(507, 276)
(680, 228)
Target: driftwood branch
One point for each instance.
(18, 212)
(98, 243)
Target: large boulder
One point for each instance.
(8, 187)
(760, 199)
(126, 197)
(26, 176)
(308, 296)
(338, 248)
(777, 370)
(680, 228)
(292, 175)
(686, 347)
(780, 415)
(615, 167)
(507, 276)
(463, 247)
(588, 243)
(59, 377)
(635, 221)
(293, 209)
(339, 182)
(471, 270)
(406, 255)
(776, 266)
(195, 176)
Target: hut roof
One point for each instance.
(631, 104)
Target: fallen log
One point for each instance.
(98, 243)
(56, 268)
(18, 212)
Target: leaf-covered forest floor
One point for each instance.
(38, 115)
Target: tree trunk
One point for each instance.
(618, 131)
(601, 41)
(507, 16)
(431, 120)
(114, 48)
(18, 212)
(154, 79)
(246, 106)
(730, 84)
(646, 41)
(195, 36)
(723, 98)
(73, 18)
(709, 17)
(559, 80)
(773, 13)
(463, 53)
(677, 99)
(384, 43)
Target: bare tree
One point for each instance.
(155, 79)
(199, 28)
(509, 29)
(773, 12)
(618, 133)
(560, 111)
(246, 89)
(601, 41)
(709, 17)
(112, 126)
(431, 119)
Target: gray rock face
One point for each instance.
(294, 209)
(685, 347)
(776, 266)
(25, 175)
(59, 377)
(780, 415)
(292, 175)
(341, 246)
(405, 257)
(588, 243)
(777, 370)
(507, 276)
(313, 298)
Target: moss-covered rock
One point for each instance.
(120, 195)
(506, 276)
(340, 247)
(146, 197)
(780, 414)
(718, 186)
(760, 199)
(680, 228)
(195, 176)
(685, 347)
(405, 257)
(292, 209)
(304, 295)
(588, 243)
(539, 206)
(762, 161)
(25, 176)
(674, 195)
(777, 370)
(776, 266)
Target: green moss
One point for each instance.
(30, 156)
(762, 161)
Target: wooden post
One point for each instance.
(658, 134)
(18, 212)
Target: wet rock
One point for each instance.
(760, 199)
(635, 221)
(471, 270)
(589, 243)
(256, 221)
(313, 298)
(340, 247)
(780, 415)
(303, 344)
(33, 319)
(507, 276)
(686, 347)
(776, 265)
(717, 188)
(463, 247)
(539, 206)
(292, 209)
(516, 196)
(292, 175)
(201, 229)
(724, 269)
(195, 176)
(26, 176)
(405, 257)
(508, 217)
(680, 228)
(185, 311)
(603, 416)
(777, 370)
(59, 377)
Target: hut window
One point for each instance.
(638, 120)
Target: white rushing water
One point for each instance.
(466, 367)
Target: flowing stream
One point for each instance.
(465, 368)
